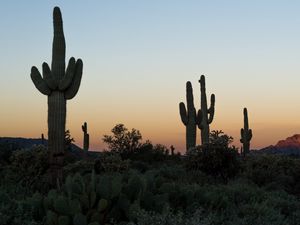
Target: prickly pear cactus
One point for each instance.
(59, 85)
(246, 134)
(188, 117)
(86, 137)
(205, 115)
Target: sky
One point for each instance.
(137, 57)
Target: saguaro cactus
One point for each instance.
(246, 134)
(205, 116)
(86, 137)
(59, 85)
(188, 117)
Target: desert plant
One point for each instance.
(122, 140)
(274, 172)
(188, 117)
(202, 117)
(216, 158)
(217, 137)
(246, 134)
(86, 137)
(59, 85)
(43, 139)
(110, 162)
(29, 167)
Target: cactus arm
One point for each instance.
(210, 118)
(211, 109)
(67, 79)
(183, 113)
(39, 82)
(74, 86)
(242, 134)
(47, 75)
(249, 137)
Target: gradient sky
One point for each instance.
(137, 57)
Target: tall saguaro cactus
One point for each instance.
(246, 134)
(59, 85)
(205, 115)
(188, 117)
(86, 137)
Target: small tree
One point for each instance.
(123, 140)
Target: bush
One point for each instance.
(215, 160)
(29, 167)
(81, 167)
(110, 162)
(274, 172)
(14, 211)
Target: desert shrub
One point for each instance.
(231, 204)
(140, 166)
(110, 162)
(215, 160)
(274, 172)
(81, 166)
(5, 153)
(13, 209)
(149, 153)
(148, 217)
(28, 167)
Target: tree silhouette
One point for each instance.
(122, 140)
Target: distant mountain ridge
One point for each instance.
(15, 143)
(19, 142)
(289, 146)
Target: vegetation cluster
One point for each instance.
(150, 184)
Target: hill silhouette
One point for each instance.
(289, 146)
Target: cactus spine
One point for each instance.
(188, 117)
(246, 134)
(86, 137)
(205, 116)
(59, 85)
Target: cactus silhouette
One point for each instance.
(188, 117)
(43, 139)
(246, 134)
(203, 120)
(86, 137)
(172, 149)
(59, 85)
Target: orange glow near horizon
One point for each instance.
(170, 131)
